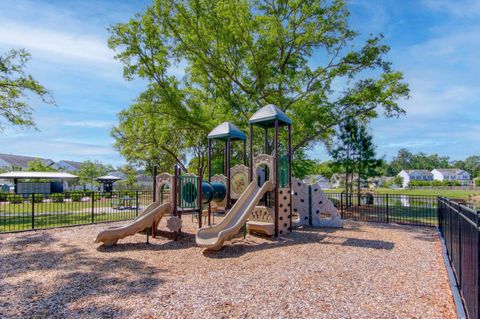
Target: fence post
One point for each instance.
(310, 205)
(341, 205)
(33, 210)
(388, 217)
(93, 207)
(478, 258)
(136, 203)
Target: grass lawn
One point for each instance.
(463, 194)
(23, 221)
(14, 217)
(424, 216)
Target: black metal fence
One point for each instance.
(36, 211)
(459, 226)
(419, 210)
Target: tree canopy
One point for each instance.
(408, 160)
(38, 165)
(15, 87)
(210, 61)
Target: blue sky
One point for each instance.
(434, 42)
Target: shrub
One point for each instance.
(57, 198)
(15, 199)
(3, 197)
(477, 182)
(76, 197)
(396, 181)
(415, 183)
(38, 198)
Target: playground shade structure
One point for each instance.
(213, 237)
(152, 214)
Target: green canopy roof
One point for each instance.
(267, 115)
(226, 130)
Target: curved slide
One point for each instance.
(213, 237)
(153, 213)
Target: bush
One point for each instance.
(57, 198)
(15, 199)
(477, 182)
(396, 181)
(433, 183)
(38, 198)
(3, 197)
(76, 197)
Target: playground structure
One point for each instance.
(261, 198)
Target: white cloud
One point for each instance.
(91, 123)
(56, 43)
(459, 8)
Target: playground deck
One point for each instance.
(363, 271)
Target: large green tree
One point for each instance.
(89, 171)
(240, 55)
(38, 165)
(15, 87)
(408, 160)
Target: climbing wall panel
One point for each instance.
(300, 202)
(283, 211)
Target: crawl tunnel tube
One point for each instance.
(211, 191)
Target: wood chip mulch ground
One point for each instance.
(362, 271)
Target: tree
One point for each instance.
(472, 165)
(407, 160)
(38, 165)
(131, 176)
(89, 171)
(355, 152)
(15, 86)
(365, 160)
(146, 137)
(327, 169)
(241, 55)
(344, 150)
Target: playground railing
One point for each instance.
(418, 210)
(460, 228)
(38, 211)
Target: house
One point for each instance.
(19, 162)
(338, 180)
(453, 174)
(321, 180)
(379, 181)
(67, 166)
(144, 182)
(415, 175)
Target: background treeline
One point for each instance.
(403, 160)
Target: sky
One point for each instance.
(434, 42)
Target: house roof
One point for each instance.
(450, 171)
(34, 175)
(108, 178)
(144, 178)
(267, 115)
(421, 171)
(226, 130)
(22, 161)
(74, 164)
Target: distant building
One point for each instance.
(144, 182)
(321, 180)
(454, 175)
(415, 175)
(19, 162)
(68, 166)
(338, 180)
(379, 181)
(119, 174)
